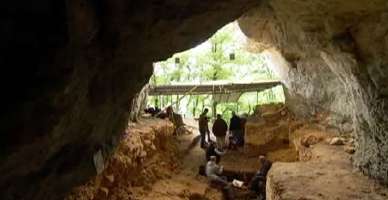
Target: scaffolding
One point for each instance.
(221, 92)
(212, 88)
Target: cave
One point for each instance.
(71, 70)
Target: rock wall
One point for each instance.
(139, 103)
(69, 71)
(332, 57)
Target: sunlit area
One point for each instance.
(222, 59)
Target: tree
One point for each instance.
(210, 61)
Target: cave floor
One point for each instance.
(187, 184)
(328, 175)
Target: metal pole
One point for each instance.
(214, 109)
(177, 102)
(257, 97)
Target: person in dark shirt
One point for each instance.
(243, 121)
(220, 127)
(236, 136)
(203, 127)
(213, 151)
(234, 122)
(259, 180)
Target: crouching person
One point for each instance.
(258, 183)
(213, 172)
(212, 150)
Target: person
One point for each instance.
(211, 150)
(234, 122)
(213, 172)
(236, 136)
(219, 130)
(259, 180)
(243, 121)
(156, 110)
(151, 110)
(170, 112)
(204, 127)
(177, 120)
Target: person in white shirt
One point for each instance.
(213, 172)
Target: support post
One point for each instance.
(177, 103)
(257, 98)
(214, 109)
(156, 101)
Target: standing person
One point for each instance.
(234, 122)
(219, 130)
(235, 130)
(243, 120)
(204, 127)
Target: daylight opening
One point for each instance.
(220, 63)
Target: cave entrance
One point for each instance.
(221, 74)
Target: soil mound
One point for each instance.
(147, 153)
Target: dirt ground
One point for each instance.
(153, 164)
(328, 176)
(146, 153)
(187, 184)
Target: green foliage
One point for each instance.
(211, 61)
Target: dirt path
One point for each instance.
(187, 184)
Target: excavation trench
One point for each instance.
(74, 66)
(152, 163)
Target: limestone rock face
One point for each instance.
(69, 71)
(332, 57)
